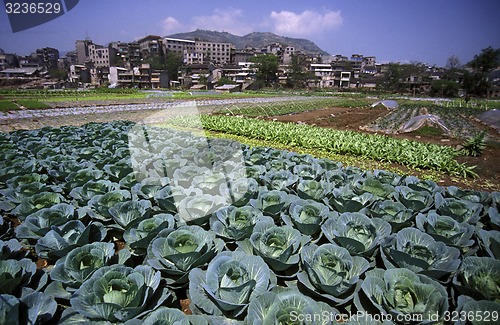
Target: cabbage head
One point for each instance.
(61, 240)
(447, 230)
(418, 201)
(306, 215)
(417, 251)
(288, 306)
(458, 209)
(235, 223)
(356, 232)
(198, 209)
(231, 281)
(490, 242)
(15, 275)
(118, 293)
(176, 252)
(279, 246)
(140, 232)
(402, 292)
(271, 203)
(479, 277)
(345, 200)
(395, 213)
(488, 312)
(331, 272)
(72, 270)
(41, 222)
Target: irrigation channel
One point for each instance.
(205, 106)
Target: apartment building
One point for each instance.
(47, 57)
(150, 45)
(178, 46)
(217, 53)
(88, 52)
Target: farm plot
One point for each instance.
(117, 222)
(456, 119)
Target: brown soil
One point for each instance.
(354, 119)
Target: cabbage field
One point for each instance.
(116, 223)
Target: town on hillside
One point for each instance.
(168, 62)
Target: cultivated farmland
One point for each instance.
(130, 222)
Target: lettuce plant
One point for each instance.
(176, 252)
(356, 232)
(118, 293)
(417, 251)
(331, 272)
(402, 293)
(231, 281)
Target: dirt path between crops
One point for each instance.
(354, 119)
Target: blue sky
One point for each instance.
(392, 30)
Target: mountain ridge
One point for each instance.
(254, 39)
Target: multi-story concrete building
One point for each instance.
(88, 52)
(217, 53)
(98, 55)
(178, 46)
(150, 45)
(124, 54)
(47, 57)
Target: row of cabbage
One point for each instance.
(377, 147)
(250, 235)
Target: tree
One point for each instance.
(297, 76)
(476, 82)
(486, 61)
(453, 62)
(171, 62)
(267, 66)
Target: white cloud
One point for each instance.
(229, 20)
(170, 25)
(306, 23)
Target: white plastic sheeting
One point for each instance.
(417, 122)
(491, 118)
(389, 104)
